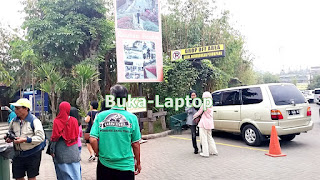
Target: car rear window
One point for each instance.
(251, 95)
(286, 94)
(317, 92)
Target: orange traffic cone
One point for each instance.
(274, 146)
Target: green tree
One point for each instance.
(52, 82)
(315, 83)
(24, 63)
(84, 75)
(267, 77)
(5, 76)
(6, 34)
(66, 33)
(191, 23)
(182, 76)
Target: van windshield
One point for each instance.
(286, 94)
(317, 92)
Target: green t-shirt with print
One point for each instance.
(116, 130)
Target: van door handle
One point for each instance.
(214, 111)
(236, 111)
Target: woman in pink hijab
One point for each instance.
(205, 128)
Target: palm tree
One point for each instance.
(84, 75)
(52, 82)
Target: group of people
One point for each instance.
(205, 125)
(114, 140)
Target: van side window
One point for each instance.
(251, 95)
(317, 91)
(230, 98)
(216, 97)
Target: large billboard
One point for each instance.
(138, 41)
(204, 52)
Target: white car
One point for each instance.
(317, 95)
(308, 94)
(252, 111)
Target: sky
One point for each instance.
(279, 34)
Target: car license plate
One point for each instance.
(294, 112)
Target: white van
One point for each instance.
(308, 94)
(317, 95)
(252, 110)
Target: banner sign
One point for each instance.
(138, 41)
(204, 52)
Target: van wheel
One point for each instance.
(287, 137)
(251, 135)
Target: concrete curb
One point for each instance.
(153, 136)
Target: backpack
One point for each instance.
(38, 148)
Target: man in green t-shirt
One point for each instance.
(118, 133)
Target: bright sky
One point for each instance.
(10, 13)
(280, 34)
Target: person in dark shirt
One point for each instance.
(89, 119)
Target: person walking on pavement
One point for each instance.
(28, 143)
(205, 129)
(91, 115)
(192, 124)
(117, 131)
(64, 144)
(74, 112)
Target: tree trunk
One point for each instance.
(53, 106)
(42, 107)
(85, 100)
(106, 75)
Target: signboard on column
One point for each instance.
(138, 41)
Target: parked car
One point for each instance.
(317, 95)
(253, 110)
(308, 94)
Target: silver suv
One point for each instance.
(252, 110)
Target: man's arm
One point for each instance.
(39, 135)
(10, 129)
(87, 119)
(94, 144)
(136, 152)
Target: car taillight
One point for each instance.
(276, 114)
(309, 111)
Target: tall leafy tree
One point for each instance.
(6, 35)
(23, 65)
(193, 23)
(67, 32)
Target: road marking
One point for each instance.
(223, 144)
